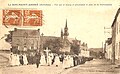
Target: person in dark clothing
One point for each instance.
(62, 58)
(37, 56)
(21, 59)
(53, 60)
(75, 60)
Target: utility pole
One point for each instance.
(42, 41)
(103, 50)
(38, 43)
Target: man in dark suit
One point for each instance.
(37, 56)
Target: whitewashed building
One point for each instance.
(108, 49)
(116, 37)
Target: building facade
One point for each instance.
(23, 39)
(116, 37)
(108, 48)
(84, 50)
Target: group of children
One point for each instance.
(52, 59)
(16, 60)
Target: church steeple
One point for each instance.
(62, 34)
(66, 31)
(66, 24)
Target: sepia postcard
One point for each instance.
(60, 37)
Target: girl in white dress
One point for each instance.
(66, 62)
(25, 59)
(57, 61)
(49, 60)
(42, 61)
(12, 60)
(71, 61)
(17, 62)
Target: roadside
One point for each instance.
(31, 69)
(97, 66)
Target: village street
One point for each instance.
(96, 66)
(31, 69)
(26, 69)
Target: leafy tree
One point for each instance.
(75, 49)
(54, 45)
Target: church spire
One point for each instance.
(66, 31)
(66, 24)
(62, 34)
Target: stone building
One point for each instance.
(24, 39)
(84, 50)
(108, 48)
(116, 37)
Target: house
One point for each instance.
(116, 37)
(95, 52)
(24, 39)
(108, 48)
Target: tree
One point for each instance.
(8, 37)
(75, 49)
(54, 45)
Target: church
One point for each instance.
(62, 39)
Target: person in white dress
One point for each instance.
(42, 60)
(15, 57)
(49, 62)
(71, 61)
(17, 62)
(66, 62)
(57, 61)
(25, 59)
(12, 60)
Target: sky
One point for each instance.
(85, 23)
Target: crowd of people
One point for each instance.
(42, 60)
(16, 60)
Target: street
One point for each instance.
(97, 66)
(31, 69)
(3, 60)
